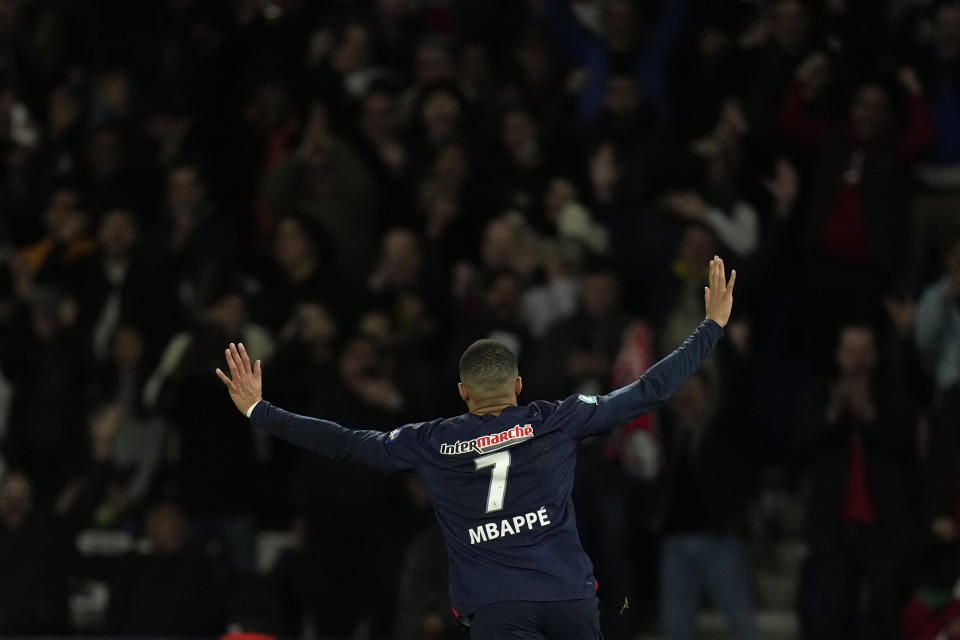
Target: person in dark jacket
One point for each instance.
(577, 352)
(856, 436)
(32, 594)
(213, 480)
(170, 592)
(37, 549)
(708, 447)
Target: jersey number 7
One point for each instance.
(500, 462)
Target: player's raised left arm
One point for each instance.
(664, 378)
(321, 436)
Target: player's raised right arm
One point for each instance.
(321, 436)
(664, 378)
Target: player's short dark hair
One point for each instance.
(487, 365)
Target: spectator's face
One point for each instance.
(410, 312)
(441, 208)
(697, 248)
(432, 63)
(401, 255)
(16, 500)
(519, 133)
(166, 529)
(604, 167)
(947, 31)
(500, 244)
(63, 109)
(534, 59)
(358, 359)
(127, 348)
(291, 245)
(560, 192)
(118, 233)
(789, 25)
(503, 294)
(114, 93)
(620, 25)
(378, 120)
(622, 99)
(441, 114)
(61, 210)
(376, 327)
(856, 351)
(105, 154)
(316, 325)
(184, 189)
(600, 294)
(869, 113)
(230, 313)
(354, 51)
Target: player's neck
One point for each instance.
(494, 406)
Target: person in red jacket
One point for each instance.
(854, 228)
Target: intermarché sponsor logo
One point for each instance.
(490, 442)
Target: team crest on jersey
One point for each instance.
(393, 434)
(489, 443)
(588, 399)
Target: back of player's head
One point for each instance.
(487, 365)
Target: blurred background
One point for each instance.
(359, 189)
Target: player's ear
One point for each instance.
(518, 386)
(463, 392)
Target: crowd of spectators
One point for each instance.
(357, 190)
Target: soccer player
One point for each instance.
(500, 476)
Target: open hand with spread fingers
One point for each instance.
(718, 297)
(245, 381)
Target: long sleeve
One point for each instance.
(932, 319)
(393, 451)
(595, 415)
(740, 231)
(937, 333)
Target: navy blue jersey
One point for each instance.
(501, 485)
